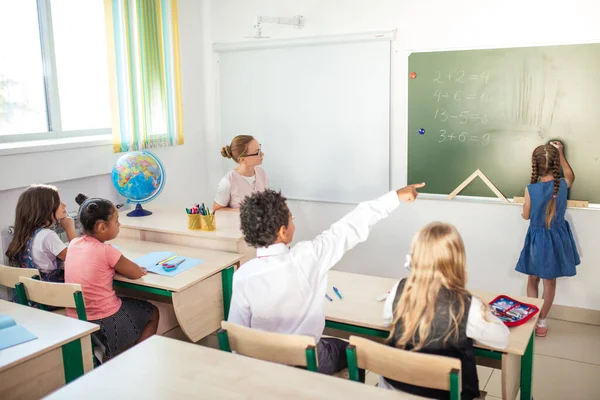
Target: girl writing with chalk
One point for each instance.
(549, 251)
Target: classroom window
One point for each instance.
(22, 96)
(53, 70)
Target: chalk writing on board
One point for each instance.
(463, 117)
(459, 96)
(442, 114)
(464, 137)
(461, 76)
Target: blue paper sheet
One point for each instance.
(12, 334)
(149, 262)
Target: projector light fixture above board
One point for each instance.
(297, 22)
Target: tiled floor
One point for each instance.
(567, 364)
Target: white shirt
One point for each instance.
(224, 189)
(283, 289)
(487, 330)
(45, 247)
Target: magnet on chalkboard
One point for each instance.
(413, 75)
(421, 131)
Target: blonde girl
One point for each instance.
(432, 312)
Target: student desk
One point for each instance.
(200, 295)
(163, 368)
(61, 353)
(360, 312)
(168, 224)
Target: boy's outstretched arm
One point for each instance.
(323, 252)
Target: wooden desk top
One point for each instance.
(214, 261)
(174, 220)
(360, 306)
(163, 368)
(52, 331)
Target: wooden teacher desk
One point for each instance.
(169, 224)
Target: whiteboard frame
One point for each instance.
(323, 40)
(389, 35)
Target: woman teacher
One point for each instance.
(246, 178)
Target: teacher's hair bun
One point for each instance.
(226, 152)
(80, 198)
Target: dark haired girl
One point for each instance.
(92, 263)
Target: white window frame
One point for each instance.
(55, 132)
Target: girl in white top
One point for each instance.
(246, 178)
(34, 244)
(432, 312)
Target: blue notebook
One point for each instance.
(12, 334)
(149, 262)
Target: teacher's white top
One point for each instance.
(234, 187)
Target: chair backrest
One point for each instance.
(9, 276)
(51, 294)
(413, 368)
(294, 350)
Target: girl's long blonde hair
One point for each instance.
(438, 260)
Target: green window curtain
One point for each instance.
(143, 55)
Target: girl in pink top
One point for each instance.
(246, 178)
(92, 263)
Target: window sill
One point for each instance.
(37, 146)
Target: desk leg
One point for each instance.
(511, 374)
(227, 277)
(72, 360)
(87, 353)
(527, 371)
(199, 308)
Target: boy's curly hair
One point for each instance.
(261, 216)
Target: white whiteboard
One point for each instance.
(321, 113)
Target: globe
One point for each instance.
(139, 176)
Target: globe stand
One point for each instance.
(139, 211)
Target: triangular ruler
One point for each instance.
(485, 179)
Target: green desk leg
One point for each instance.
(227, 278)
(311, 359)
(527, 371)
(72, 360)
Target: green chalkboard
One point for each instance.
(488, 110)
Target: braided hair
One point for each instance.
(545, 160)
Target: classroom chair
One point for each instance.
(293, 350)
(9, 276)
(426, 370)
(65, 295)
(51, 294)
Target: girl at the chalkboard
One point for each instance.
(549, 251)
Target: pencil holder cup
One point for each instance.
(194, 222)
(208, 222)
